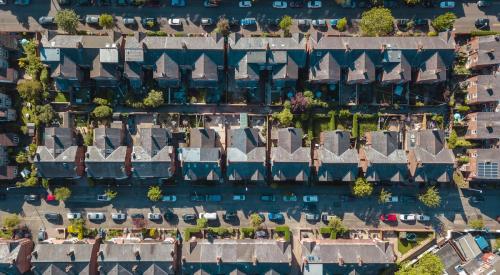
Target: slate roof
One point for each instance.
(268, 256)
(396, 68)
(106, 158)
(325, 69)
(483, 88)
(361, 70)
(205, 72)
(246, 156)
(54, 258)
(467, 246)
(57, 157)
(385, 161)
(433, 69)
(151, 157)
(434, 161)
(480, 156)
(18, 251)
(201, 160)
(487, 51)
(486, 125)
(289, 160)
(449, 257)
(337, 160)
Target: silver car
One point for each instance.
(95, 216)
(46, 20)
(118, 216)
(92, 19)
(73, 216)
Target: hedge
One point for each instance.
(220, 231)
(190, 230)
(483, 33)
(247, 232)
(332, 125)
(285, 230)
(325, 230)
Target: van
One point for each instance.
(209, 216)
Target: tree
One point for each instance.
(201, 223)
(285, 24)
(362, 188)
(223, 27)
(299, 103)
(30, 62)
(337, 225)
(62, 193)
(11, 221)
(154, 99)
(377, 22)
(477, 224)
(106, 21)
(384, 196)
(452, 139)
(30, 90)
(429, 264)
(102, 112)
(101, 101)
(67, 20)
(111, 194)
(256, 219)
(45, 113)
(285, 117)
(431, 197)
(444, 22)
(154, 193)
(22, 157)
(342, 24)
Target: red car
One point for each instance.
(389, 217)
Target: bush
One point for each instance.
(362, 188)
(430, 198)
(111, 194)
(154, 99)
(106, 21)
(432, 33)
(102, 112)
(332, 124)
(67, 20)
(220, 231)
(355, 126)
(463, 108)
(377, 22)
(444, 22)
(483, 33)
(285, 117)
(201, 222)
(283, 230)
(101, 101)
(476, 224)
(247, 232)
(256, 219)
(62, 193)
(30, 90)
(189, 231)
(342, 24)
(22, 157)
(223, 27)
(325, 230)
(11, 221)
(154, 193)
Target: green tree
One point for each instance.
(377, 22)
(429, 264)
(362, 188)
(154, 99)
(11, 221)
(431, 197)
(106, 21)
(101, 101)
(62, 193)
(452, 139)
(45, 183)
(256, 220)
(285, 24)
(30, 62)
(223, 27)
(201, 223)
(154, 193)
(444, 22)
(30, 90)
(67, 20)
(477, 224)
(384, 196)
(337, 226)
(22, 157)
(45, 113)
(285, 117)
(102, 112)
(342, 24)
(111, 194)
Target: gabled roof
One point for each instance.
(152, 156)
(486, 125)
(202, 138)
(385, 160)
(286, 69)
(432, 70)
(57, 157)
(336, 159)
(245, 155)
(397, 68)
(487, 88)
(166, 68)
(246, 70)
(106, 158)
(289, 147)
(205, 69)
(67, 68)
(17, 251)
(73, 257)
(488, 50)
(362, 70)
(326, 69)
(239, 42)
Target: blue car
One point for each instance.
(22, 2)
(248, 22)
(275, 216)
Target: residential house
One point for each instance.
(483, 126)
(153, 156)
(15, 256)
(335, 159)
(109, 157)
(60, 156)
(63, 258)
(82, 61)
(201, 161)
(450, 257)
(429, 159)
(354, 256)
(7, 170)
(483, 165)
(9, 48)
(484, 90)
(483, 52)
(230, 256)
(174, 61)
(153, 258)
(266, 62)
(382, 159)
(7, 113)
(246, 156)
(390, 60)
(289, 160)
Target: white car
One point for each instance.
(103, 197)
(280, 4)
(73, 216)
(245, 4)
(95, 216)
(447, 4)
(239, 197)
(392, 199)
(154, 216)
(407, 217)
(169, 198)
(314, 4)
(119, 216)
(423, 218)
(310, 198)
(174, 22)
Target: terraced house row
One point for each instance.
(388, 156)
(261, 68)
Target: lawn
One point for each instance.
(405, 246)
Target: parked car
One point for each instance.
(137, 216)
(61, 2)
(420, 22)
(314, 4)
(326, 217)
(154, 216)
(209, 216)
(52, 216)
(304, 23)
(319, 23)
(268, 198)
(229, 216)
(392, 199)
(174, 21)
(95, 216)
(309, 207)
(248, 22)
(310, 198)
(178, 3)
(239, 197)
(92, 19)
(210, 4)
(312, 217)
(245, 4)
(73, 216)
(46, 20)
(483, 3)
(275, 217)
(259, 234)
(422, 218)
(407, 217)
(207, 22)
(296, 4)
(389, 217)
(198, 198)
(482, 23)
(189, 217)
(84, 2)
(169, 198)
(169, 215)
(118, 216)
(103, 197)
(233, 22)
(214, 197)
(42, 234)
(31, 198)
(22, 2)
(149, 22)
(447, 4)
(129, 22)
(272, 22)
(402, 23)
(280, 4)
(290, 198)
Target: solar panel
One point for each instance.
(487, 170)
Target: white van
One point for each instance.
(208, 216)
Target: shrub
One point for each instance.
(102, 112)
(325, 230)
(463, 108)
(247, 232)
(154, 99)
(430, 198)
(483, 33)
(256, 219)
(355, 125)
(190, 231)
(476, 224)
(444, 22)
(11, 221)
(342, 24)
(377, 22)
(432, 33)
(284, 230)
(201, 222)
(154, 193)
(67, 20)
(106, 21)
(332, 124)
(111, 194)
(362, 188)
(62, 193)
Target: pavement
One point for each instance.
(20, 18)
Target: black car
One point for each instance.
(137, 216)
(84, 2)
(51, 216)
(420, 22)
(169, 215)
(428, 3)
(149, 22)
(272, 22)
(482, 23)
(189, 217)
(268, 197)
(196, 197)
(402, 23)
(229, 216)
(309, 207)
(233, 22)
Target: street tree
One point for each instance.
(223, 27)
(337, 226)
(102, 112)
(11, 221)
(384, 196)
(362, 188)
(256, 220)
(67, 20)
(444, 22)
(431, 197)
(154, 99)
(377, 22)
(477, 224)
(154, 193)
(202, 223)
(106, 21)
(429, 264)
(285, 24)
(30, 90)
(62, 193)
(45, 113)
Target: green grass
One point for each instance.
(61, 97)
(405, 246)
